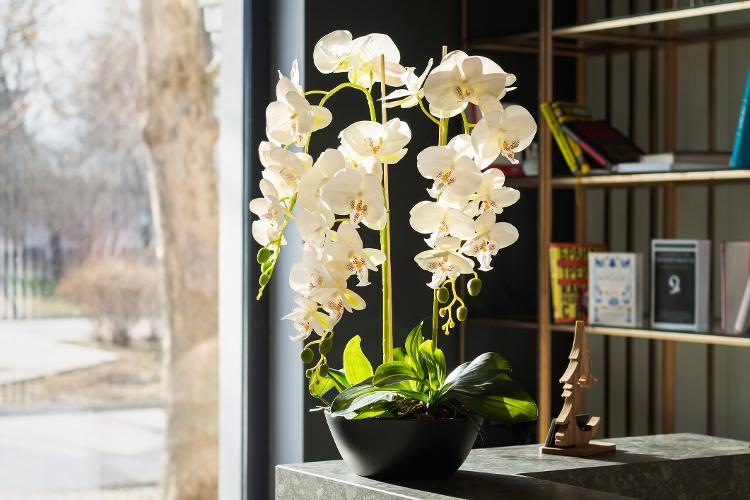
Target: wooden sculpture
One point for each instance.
(571, 433)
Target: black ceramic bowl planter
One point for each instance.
(383, 447)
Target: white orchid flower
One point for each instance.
(291, 119)
(445, 261)
(270, 212)
(290, 84)
(313, 273)
(490, 237)
(410, 96)
(354, 193)
(366, 68)
(314, 227)
(337, 299)
(367, 139)
(460, 79)
(359, 260)
(452, 171)
(337, 52)
(325, 167)
(437, 220)
(308, 319)
(492, 196)
(502, 132)
(283, 168)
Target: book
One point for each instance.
(570, 111)
(569, 279)
(652, 166)
(560, 138)
(741, 150)
(734, 265)
(680, 272)
(615, 289)
(741, 323)
(689, 157)
(603, 143)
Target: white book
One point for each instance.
(615, 289)
(735, 271)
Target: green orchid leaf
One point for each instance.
(510, 404)
(347, 396)
(356, 366)
(339, 379)
(413, 341)
(365, 399)
(399, 354)
(319, 386)
(434, 361)
(394, 372)
(477, 376)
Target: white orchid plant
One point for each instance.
(332, 197)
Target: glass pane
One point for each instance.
(108, 221)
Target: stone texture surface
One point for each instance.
(664, 466)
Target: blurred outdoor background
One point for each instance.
(108, 360)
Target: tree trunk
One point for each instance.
(181, 131)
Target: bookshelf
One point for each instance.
(655, 31)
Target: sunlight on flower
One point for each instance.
(366, 139)
(429, 217)
(503, 132)
(410, 96)
(356, 194)
(460, 79)
(307, 319)
(444, 262)
(490, 237)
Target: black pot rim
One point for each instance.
(478, 419)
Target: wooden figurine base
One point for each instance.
(593, 448)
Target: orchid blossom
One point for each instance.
(365, 139)
(444, 261)
(460, 79)
(411, 95)
(490, 237)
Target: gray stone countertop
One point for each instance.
(661, 466)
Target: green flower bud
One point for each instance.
(306, 355)
(323, 370)
(264, 279)
(442, 295)
(263, 255)
(266, 266)
(441, 312)
(325, 346)
(461, 313)
(309, 373)
(474, 286)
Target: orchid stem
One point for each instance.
(277, 243)
(385, 238)
(434, 318)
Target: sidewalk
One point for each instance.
(81, 454)
(36, 348)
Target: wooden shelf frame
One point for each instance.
(705, 338)
(616, 34)
(727, 176)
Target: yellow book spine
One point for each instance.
(556, 289)
(560, 138)
(578, 153)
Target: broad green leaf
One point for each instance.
(399, 354)
(347, 396)
(413, 341)
(477, 376)
(356, 366)
(364, 400)
(511, 405)
(434, 361)
(394, 372)
(318, 385)
(339, 379)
